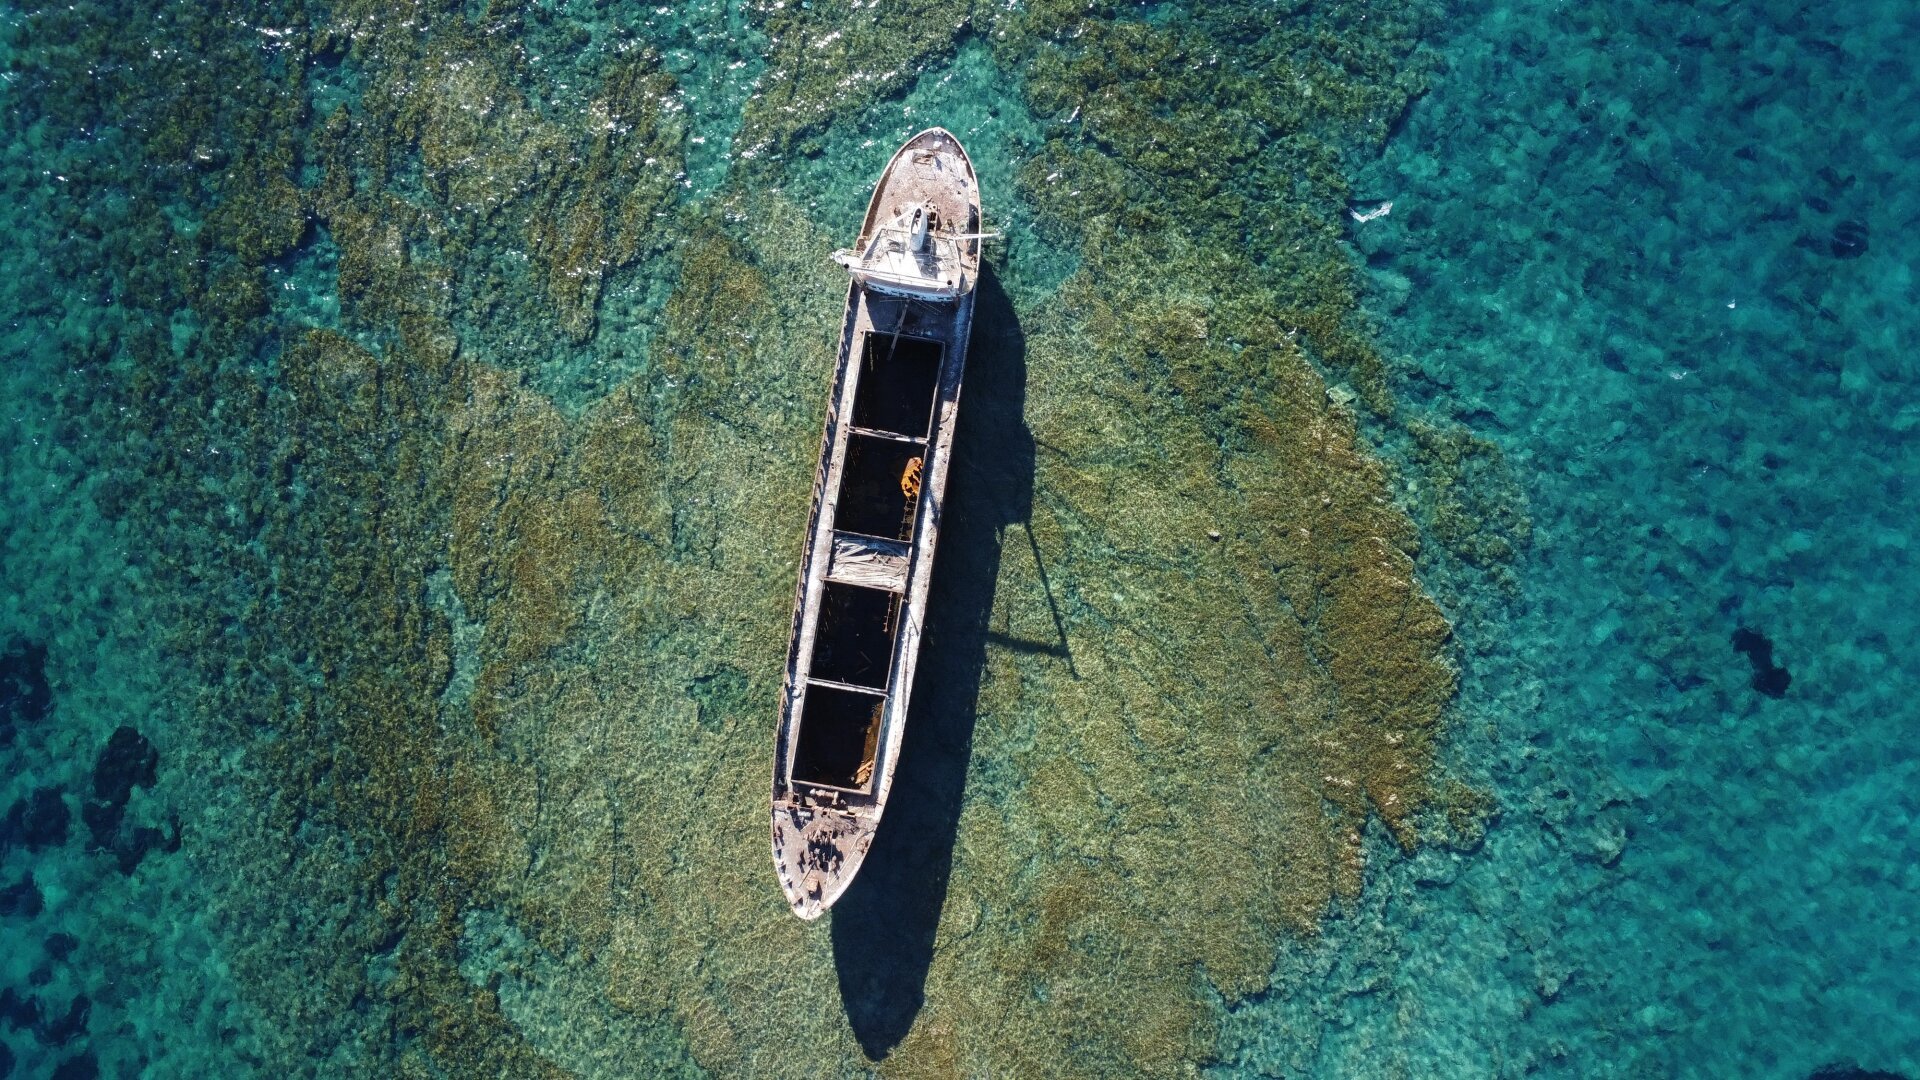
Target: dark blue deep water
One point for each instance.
(1432, 586)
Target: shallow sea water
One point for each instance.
(1473, 641)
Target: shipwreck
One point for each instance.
(875, 519)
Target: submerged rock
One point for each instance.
(82, 1067)
(21, 898)
(1769, 678)
(36, 821)
(1849, 240)
(69, 1026)
(129, 848)
(17, 1011)
(126, 762)
(25, 697)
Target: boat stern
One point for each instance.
(817, 852)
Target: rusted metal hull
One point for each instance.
(877, 501)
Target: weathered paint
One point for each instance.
(821, 834)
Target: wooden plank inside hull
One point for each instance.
(869, 561)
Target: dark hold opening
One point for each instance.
(853, 642)
(874, 486)
(897, 379)
(839, 732)
(1769, 678)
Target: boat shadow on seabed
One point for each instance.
(883, 927)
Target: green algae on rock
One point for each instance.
(827, 58)
(536, 196)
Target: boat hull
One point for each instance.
(867, 565)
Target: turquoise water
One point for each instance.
(407, 422)
(1615, 248)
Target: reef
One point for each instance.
(36, 821)
(66, 1027)
(491, 614)
(1769, 678)
(826, 59)
(1468, 502)
(21, 898)
(25, 697)
(1849, 240)
(18, 1012)
(80, 1067)
(126, 762)
(446, 155)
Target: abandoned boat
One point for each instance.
(877, 499)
